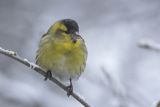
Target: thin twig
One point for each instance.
(158, 104)
(36, 68)
(149, 44)
(117, 92)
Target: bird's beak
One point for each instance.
(74, 37)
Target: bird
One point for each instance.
(62, 52)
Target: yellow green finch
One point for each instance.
(62, 51)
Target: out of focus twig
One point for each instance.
(117, 92)
(149, 44)
(36, 68)
(158, 105)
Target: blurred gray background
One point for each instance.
(118, 72)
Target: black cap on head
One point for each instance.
(71, 25)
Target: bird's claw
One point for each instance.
(69, 90)
(48, 75)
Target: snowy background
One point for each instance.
(118, 72)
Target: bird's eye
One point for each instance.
(77, 33)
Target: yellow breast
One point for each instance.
(63, 57)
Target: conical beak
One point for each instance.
(74, 37)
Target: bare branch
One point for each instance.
(36, 68)
(149, 44)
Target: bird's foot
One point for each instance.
(69, 90)
(48, 75)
